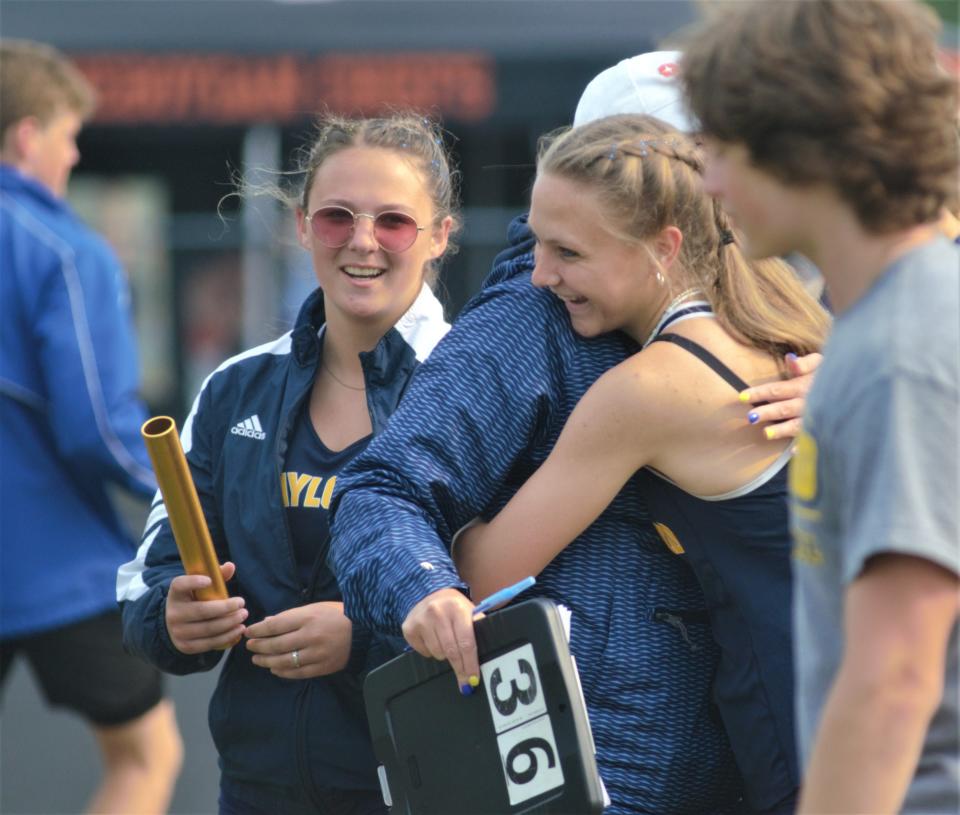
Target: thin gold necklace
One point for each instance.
(339, 381)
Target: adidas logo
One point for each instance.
(249, 428)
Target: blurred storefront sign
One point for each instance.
(195, 88)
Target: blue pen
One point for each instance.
(504, 595)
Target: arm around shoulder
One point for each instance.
(605, 440)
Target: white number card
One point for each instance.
(530, 761)
(528, 749)
(513, 688)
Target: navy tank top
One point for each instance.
(738, 545)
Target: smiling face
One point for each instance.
(605, 282)
(361, 282)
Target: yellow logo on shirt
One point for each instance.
(666, 535)
(804, 511)
(806, 549)
(300, 490)
(803, 468)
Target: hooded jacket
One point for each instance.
(297, 735)
(482, 414)
(70, 413)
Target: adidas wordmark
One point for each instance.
(249, 428)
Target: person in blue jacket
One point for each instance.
(268, 435)
(70, 419)
(481, 415)
(643, 249)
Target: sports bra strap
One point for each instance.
(707, 358)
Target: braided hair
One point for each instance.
(649, 176)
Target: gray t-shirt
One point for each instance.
(876, 470)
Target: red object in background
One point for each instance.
(138, 88)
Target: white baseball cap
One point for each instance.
(647, 83)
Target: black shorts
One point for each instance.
(83, 667)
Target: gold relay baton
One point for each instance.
(183, 506)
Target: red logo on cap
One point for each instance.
(668, 69)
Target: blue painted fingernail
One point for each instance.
(466, 689)
(791, 357)
(753, 417)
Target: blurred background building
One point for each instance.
(194, 93)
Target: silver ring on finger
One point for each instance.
(295, 656)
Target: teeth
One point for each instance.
(362, 271)
(571, 298)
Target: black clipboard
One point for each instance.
(520, 744)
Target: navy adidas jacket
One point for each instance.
(482, 414)
(290, 734)
(70, 413)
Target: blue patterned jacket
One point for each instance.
(482, 413)
(295, 735)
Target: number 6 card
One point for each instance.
(521, 743)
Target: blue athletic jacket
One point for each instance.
(296, 735)
(70, 413)
(482, 413)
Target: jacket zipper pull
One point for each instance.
(676, 622)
